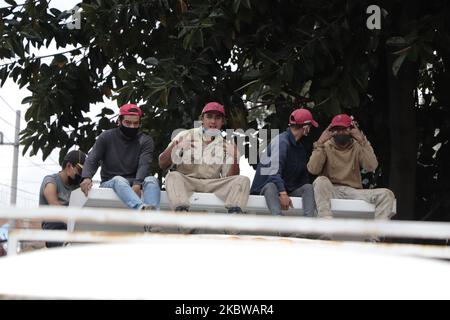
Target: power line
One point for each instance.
(144, 2)
(38, 165)
(30, 181)
(7, 122)
(7, 104)
(5, 201)
(46, 56)
(18, 189)
(32, 166)
(6, 138)
(54, 161)
(21, 5)
(12, 109)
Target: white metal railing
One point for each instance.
(17, 236)
(405, 229)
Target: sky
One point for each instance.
(31, 170)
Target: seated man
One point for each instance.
(282, 171)
(3, 238)
(56, 188)
(205, 162)
(338, 156)
(125, 155)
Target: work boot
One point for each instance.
(234, 210)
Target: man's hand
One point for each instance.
(326, 135)
(356, 133)
(230, 150)
(137, 189)
(86, 185)
(285, 201)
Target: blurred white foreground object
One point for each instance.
(221, 267)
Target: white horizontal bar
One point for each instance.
(408, 229)
(427, 251)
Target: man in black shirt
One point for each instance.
(125, 155)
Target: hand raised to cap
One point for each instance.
(326, 135)
(356, 133)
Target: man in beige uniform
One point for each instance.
(205, 162)
(338, 156)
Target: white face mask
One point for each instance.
(211, 132)
(306, 130)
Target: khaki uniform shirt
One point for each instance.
(197, 157)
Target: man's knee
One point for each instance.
(120, 179)
(269, 187)
(386, 199)
(322, 182)
(243, 180)
(386, 195)
(151, 180)
(173, 176)
(308, 188)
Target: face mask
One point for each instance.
(306, 130)
(342, 139)
(129, 132)
(75, 181)
(211, 133)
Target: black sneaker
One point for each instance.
(147, 208)
(234, 210)
(182, 209)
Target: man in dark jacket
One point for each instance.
(282, 170)
(125, 155)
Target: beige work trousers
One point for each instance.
(324, 191)
(234, 190)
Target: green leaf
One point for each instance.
(397, 64)
(287, 72)
(199, 38)
(3, 75)
(55, 12)
(187, 41)
(149, 93)
(107, 111)
(59, 60)
(236, 5)
(46, 152)
(353, 96)
(28, 99)
(396, 41)
(123, 74)
(252, 74)
(152, 61)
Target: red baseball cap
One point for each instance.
(342, 120)
(130, 109)
(302, 116)
(214, 106)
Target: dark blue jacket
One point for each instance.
(285, 166)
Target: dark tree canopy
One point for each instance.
(262, 59)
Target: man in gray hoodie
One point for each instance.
(125, 155)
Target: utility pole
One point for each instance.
(15, 161)
(15, 158)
